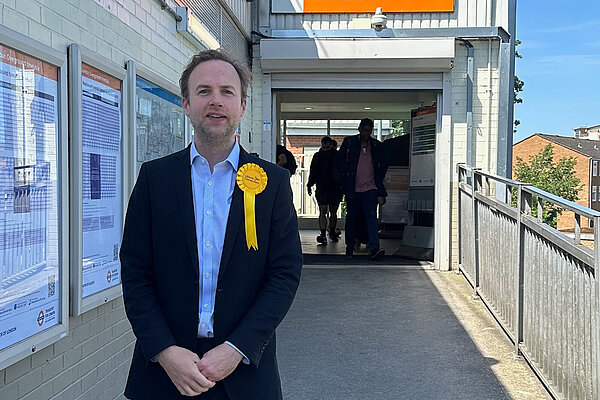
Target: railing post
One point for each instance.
(596, 337)
(477, 182)
(577, 228)
(520, 272)
(459, 207)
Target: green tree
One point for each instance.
(399, 127)
(556, 178)
(518, 87)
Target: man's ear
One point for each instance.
(186, 106)
(243, 107)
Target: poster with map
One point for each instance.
(160, 122)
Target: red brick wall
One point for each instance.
(296, 143)
(533, 145)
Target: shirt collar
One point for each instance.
(233, 158)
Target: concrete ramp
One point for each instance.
(390, 333)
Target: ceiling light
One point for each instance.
(308, 108)
(367, 108)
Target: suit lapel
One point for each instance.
(236, 218)
(182, 177)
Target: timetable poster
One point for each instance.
(101, 173)
(160, 122)
(422, 162)
(29, 231)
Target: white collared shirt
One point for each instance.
(212, 194)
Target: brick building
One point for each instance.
(587, 154)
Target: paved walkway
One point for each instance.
(379, 333)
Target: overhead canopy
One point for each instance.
(357, 55)
(352, 105)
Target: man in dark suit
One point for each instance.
(360, 170)
(211, 256)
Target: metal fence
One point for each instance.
(539, 283)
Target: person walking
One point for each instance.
(327, 192)
(360, 169)
(211, 255)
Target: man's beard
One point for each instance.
(214, 140)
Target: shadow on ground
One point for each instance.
(368, 333)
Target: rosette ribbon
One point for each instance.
(252, 180)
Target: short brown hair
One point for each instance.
(207, 55)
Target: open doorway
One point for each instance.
(305, 116)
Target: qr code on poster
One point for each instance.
(51, 285)
(115, 252)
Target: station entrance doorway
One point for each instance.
(406, 121)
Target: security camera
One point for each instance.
(378, 20)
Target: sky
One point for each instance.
(560, 66)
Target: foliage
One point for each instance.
(556, 178)
(399, 127)
(518, 87)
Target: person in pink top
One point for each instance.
(360, 170)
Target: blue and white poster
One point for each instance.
(29, 226)
(101, 174)
(160, 122)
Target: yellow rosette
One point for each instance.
(252, 180)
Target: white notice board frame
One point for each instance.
(135, 70)
(38, 341)
(77, 56)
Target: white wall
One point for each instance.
(485, 118)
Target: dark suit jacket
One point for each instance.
(159, 262)
(347, 162)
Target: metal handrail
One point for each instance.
(529, 188)
(540, 284)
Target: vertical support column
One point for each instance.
(379, 130)
(506, 96)
(329, 127)
(471, 161)
(443, 178)
(268, 145)
(274, 126)
(284, 133)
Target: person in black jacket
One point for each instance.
(204, 290)
(286, 159)
(360, 169)
(327, 193)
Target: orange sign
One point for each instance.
(369, 6)
(21, 60)
(95, 74)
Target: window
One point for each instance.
(595, 168)
(594, 193)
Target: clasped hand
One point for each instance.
(192, 375)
